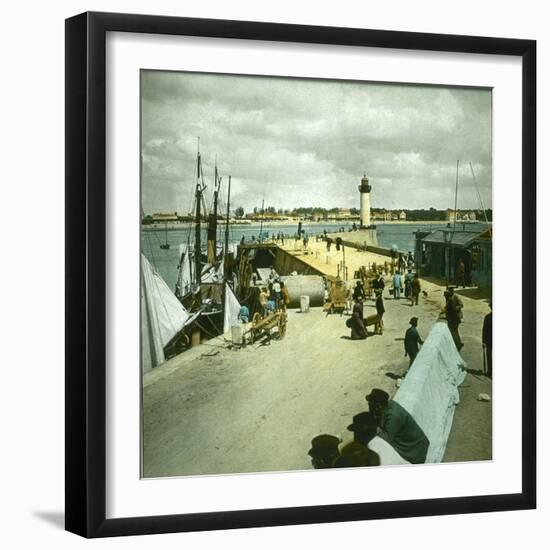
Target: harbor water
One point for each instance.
(399, 235)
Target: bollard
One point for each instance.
(195, 338)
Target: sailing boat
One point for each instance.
(165, 245)
(201, 285)
(163, 319)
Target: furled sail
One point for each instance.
(231, 309)
(186, 274)
(163, 316)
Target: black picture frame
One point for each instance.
(86, 268)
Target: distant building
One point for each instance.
(451, 215)
(161, 217)
(383, 214)
(388, 215)
(438, 253)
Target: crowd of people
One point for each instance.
(272, 297)
(384, 435)
(387, 434)
(356, 323)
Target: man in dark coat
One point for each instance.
(415, 290)
(324, 451)
(378, 283)
(399, 428)
(487, 339)
(412, 340)
(453, 313)
(358, 292)
(380, 310)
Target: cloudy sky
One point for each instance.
(299, 142)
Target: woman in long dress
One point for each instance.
(358, 330)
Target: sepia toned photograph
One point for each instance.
(316, 274)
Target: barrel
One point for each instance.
(312, 286)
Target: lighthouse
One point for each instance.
(364, 190)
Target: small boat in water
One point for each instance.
(165, 245)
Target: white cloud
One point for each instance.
(299, 142)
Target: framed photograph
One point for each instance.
(284, 247)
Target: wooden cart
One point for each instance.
(263, 325)
(376, 321)
(338, 296)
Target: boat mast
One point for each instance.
(480, 200)
(213, 220)
(225, 252)
(456, 195)
(262, 221)
(226, 247)
(198, 199)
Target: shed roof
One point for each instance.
(455, 238)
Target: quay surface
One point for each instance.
(214, 409)
(327, 262)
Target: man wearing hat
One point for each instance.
(380, 310)
(487, 339)
(412, 339)
(453, 314)
(399, 427)
(378, 283)
(364, 429)
(354, 455)
(324, 451)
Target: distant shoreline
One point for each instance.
(330, 223)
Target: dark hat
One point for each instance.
(324, 444)
(364, 421)
(378, 396)
(413, 320)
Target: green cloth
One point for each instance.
(404, 434)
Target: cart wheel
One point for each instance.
(251, 336)
(181, 343)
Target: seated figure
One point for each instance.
(364, 429)
(398, 427)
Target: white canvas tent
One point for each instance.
(162, 316)
(429, 392)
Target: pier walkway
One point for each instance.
(317, 256)
(214, 409)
